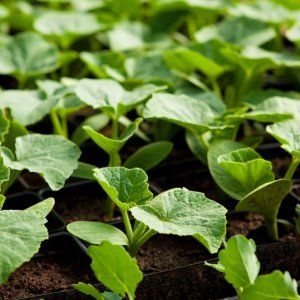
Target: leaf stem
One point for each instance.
(137, 244)
(272, 229)
(127, 224)
(292, 168)
(58, 129)
(115, 128)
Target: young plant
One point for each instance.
(242, 273)
(115, 269)
(21, 231)
(177, 211)
(248, 178)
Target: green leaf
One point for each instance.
(227, 183)
(127, 36)
(52, 156)
(271, 287)
(21, 233)
(196, 146)
(97, 232)
(288, 134)
(110, 96)
(28, 55)
(96, 122)
(248, 168)
(66, 25)
(4, 171)
(27, 107)
(2, 200)
(4, 125)
(241, 31)
(182, 110)
(262, 199)
(88, 290)
(185, 213)
(149, 156)
(84, 171)
(244, 268)
(112, 145)
(115, 269)
(105, 64)
(188, 61)
(125, 187)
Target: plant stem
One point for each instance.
(292, 168)
(127, 224)
(109, 208)
(58, 129)
(272, 229)
(114, 160)
(137, 244)
(115, 128)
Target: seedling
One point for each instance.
(248, 178)
(176, 211)
(242, 273)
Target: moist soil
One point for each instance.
(58, 271)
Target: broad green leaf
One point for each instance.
(96, 122)
(241, 31)
(185, 213)
(149, 67)
(112, 145)
(293, 33)
(66, 25)
(288, 134)
(265, 11)
(127, 36)
(182, 110)
(4, 171)
(28, 55)
(115, 268)
(276, 285)
(27, 107)
(225, 181)
(88, 290)
(241, 266)
(105, 64)
(262, 200)
(4, 124)
(97, 232)
(54, 157)
(125, 187)
(149, 156)
(21, 233)
(110, 96)
(248, 168)
(187, 60)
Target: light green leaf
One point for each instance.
(149, 156)
(271, 287)
(28, 55)
(127, 36)
(66, 25)
(185, 213)
(241, 31)
(125, 187)
(96, 122)
(110, 96)
(112, 145)
(97, 232)
(262, 200)
(27, 107)
(21, 233)
(115, 269)
(241, 266)
(54, 157)
(288, 134)
(227, 183)
(4, 171)
(4, 124)
(88, 290)
(248, 168)
(182, 110)
(2, 200)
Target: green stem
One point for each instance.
(138, 232)
(115, 128)
(109, 208)
(22, 82)
(272, 229)
(114, 160)
(58, 129)
(137, 244)
(244, 86)
(127, 224)
(216, 88)
(292, 168)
